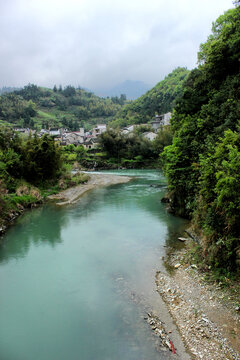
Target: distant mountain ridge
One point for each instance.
(132, 89)
(8, 89)
(159, 100)
(38, 107)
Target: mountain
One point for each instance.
(160, 99)
(8, 89)
(132, 89)
(37, 107)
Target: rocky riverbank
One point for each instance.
(206, 316)
(71, 195)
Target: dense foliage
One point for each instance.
(125, 147)
(33, 159)
(36, 107)
(202, 164)
(30, 169)
(159, 100)
(133, 150)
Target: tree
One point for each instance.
(202, 164)
(69, 91)
(42, 159)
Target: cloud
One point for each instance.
(100, 43)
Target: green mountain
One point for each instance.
(159, 99)
(37, 107)
(203, 162)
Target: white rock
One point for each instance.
(177, 266)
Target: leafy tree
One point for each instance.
(69, 91)
(160, 100)
(218, 207)
(202, 163)
(121, 146)
(42, 159)
(163, 139)
(29, 92)
(34, 159)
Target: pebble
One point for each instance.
(159, 330)
(177, 266)
(194, 266)
(202, 336)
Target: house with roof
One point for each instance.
(75, 138)
(160, 120)
(99, 129)
(90, 143)
(55, 132)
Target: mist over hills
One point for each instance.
(132, 89)
(8, 89)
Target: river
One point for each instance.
(76, 281)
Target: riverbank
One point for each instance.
(71, 195)
(206, 315)
(64, 197)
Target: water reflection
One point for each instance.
(36, 226)
(60, 294)
(45, 224)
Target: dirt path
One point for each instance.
(71, 195)
(209, 328)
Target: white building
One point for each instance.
(99, 129)
(54, 132)
(161, 120)
(150, 135)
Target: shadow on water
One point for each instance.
(36, 226)
(45, 224)
(68, 275)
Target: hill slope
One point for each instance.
(37, 107)
(159, 99)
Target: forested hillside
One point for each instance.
(159, 100)
(203, 163)
(37, 107)
(7, 89)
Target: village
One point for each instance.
(89, 140)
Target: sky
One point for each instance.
(100, 43)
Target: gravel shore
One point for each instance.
(71, 195)
(209, 328)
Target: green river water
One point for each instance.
(76, 281)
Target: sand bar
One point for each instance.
(71, 195)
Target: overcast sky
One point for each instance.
(99, 43)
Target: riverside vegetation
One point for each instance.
(199, 152)
(118, 150)
(202, 163)
(30, 169)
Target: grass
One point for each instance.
(24, 200)
(46, 115)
